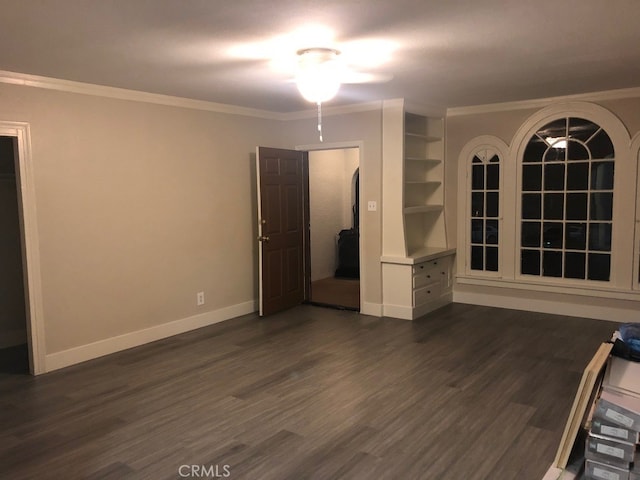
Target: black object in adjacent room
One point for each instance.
(349, 241)
(348, 254)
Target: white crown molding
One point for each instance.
(427, 110)
(329, 111)
(49, 83)
(60, 85)
(543, 102)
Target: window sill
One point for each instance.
(584, 290)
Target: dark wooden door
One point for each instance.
(283, 206)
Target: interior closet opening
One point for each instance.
(14, 351)
(334, 218)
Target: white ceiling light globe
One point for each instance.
(319, 73)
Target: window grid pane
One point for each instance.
(485, 208)
(567, 202)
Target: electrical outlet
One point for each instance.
(372, 206)
(200, 298)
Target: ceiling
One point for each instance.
(449, 53)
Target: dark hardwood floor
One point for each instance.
(465, 393)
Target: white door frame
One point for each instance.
(30, 243)
(361, 199)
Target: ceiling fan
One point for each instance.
(321, 70)
(318, 64)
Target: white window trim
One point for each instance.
(593, 290)
(478, 144)
(550, 280)
(624, 274)
(621, 245)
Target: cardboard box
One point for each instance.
(601, 471)
(595, 457)
(602, 426)
(615, 451)
(620, 409)
(623, 376)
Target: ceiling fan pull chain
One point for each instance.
(320, 120)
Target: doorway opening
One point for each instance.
(14, 350)
(334, 218)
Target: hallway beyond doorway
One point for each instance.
(336, 292)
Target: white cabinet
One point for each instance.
(412, 290)
(416, 262)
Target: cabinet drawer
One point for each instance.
(426, 277)
(424, 266)
(430, 272)
(426, 294)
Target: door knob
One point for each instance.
(263, 238)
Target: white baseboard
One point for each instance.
(373, 309)
(57, 360)
(398, 311)
(600, 312)
(409, 313)
(12, 338)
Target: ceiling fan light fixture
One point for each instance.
(557, 142)
(319, 73)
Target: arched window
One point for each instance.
(480, 222)
(567, 182)
(485, 211)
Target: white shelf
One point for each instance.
(423, 182)
(422, 209)
(421, 159)
(419, 256)
(426, 138)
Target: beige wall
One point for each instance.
(627, 110)
(350, 165)
(330, 179)
(139, 206)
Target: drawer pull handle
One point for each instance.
(428, 291)
(428, 276)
